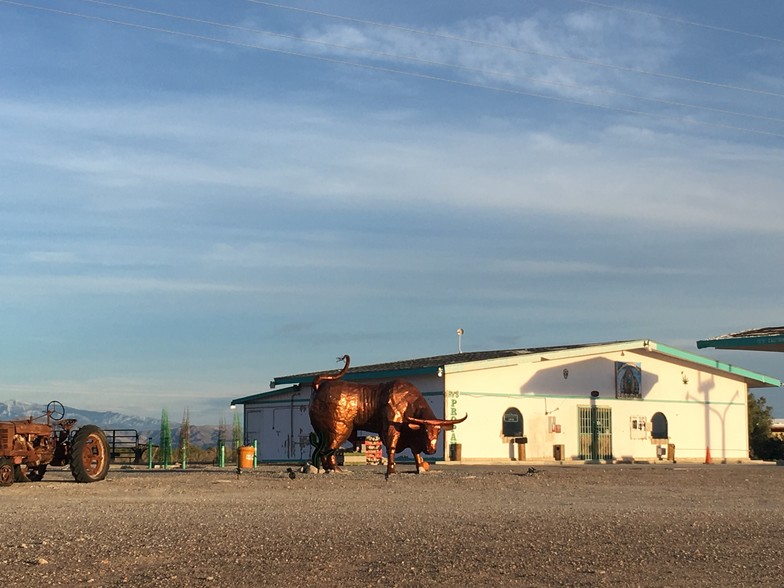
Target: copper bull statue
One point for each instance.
(395, 410)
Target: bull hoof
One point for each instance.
(339, 471)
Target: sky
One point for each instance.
(199, 196)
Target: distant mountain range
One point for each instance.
(201, 436)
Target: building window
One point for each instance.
(628, 380)
(512, 425)
(659, 426)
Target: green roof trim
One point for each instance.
(715, 364)
(263, 395)
(362, 375)
(741, 342)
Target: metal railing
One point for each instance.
(124, 444)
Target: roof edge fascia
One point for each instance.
(553, 355)
(267, 394)
(739, 342)
(748, 375)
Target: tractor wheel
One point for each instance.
(89, 454)
(6, 472)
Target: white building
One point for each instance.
(621, 401)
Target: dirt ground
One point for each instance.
(583, 525)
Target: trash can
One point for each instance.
(671, 452)
(558, 452)
(245, 457)
(456, 452)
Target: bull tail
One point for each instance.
(325, 377)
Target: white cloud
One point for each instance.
(52, 257)
(624, 172)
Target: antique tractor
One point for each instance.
(29, 445)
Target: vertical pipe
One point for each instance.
(221, 454)
(255, 452)
(184, 456)
(149, 454)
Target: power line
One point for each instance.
(394, 71)
(418, 60)
(682, 21)
(520, 50)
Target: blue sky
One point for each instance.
(199, 196)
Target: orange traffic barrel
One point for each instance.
(246, 456)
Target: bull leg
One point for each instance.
(421, 464)
(390, 463)
(324, 450)
(392, 437)
(330, 462)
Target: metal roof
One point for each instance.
(761, 339)
(429, 364)
(265, 395)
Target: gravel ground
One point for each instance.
(615, 525)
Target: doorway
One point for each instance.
(595, 426)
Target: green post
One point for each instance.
(149, 454)
(184, 457)
(255, 453)
(221, 454)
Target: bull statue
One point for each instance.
(395, 410)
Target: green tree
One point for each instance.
(762, 443)
(166, 442)
(236, 435)
(185, 436)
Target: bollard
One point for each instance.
(255, 453)
(149, 454)
(221, 455)
(184, 456)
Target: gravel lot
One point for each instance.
(614, 525)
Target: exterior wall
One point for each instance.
(281, 426)
(705, 409)
(281, 423)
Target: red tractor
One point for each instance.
(29, 445)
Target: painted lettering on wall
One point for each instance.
(451, 399)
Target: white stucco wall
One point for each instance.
(705, 409)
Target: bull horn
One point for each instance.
(435, 422)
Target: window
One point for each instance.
(512, 425)
(659, 426)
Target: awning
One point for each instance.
(764, 339)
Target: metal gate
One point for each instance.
(595, 432)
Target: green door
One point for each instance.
(595, 432)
